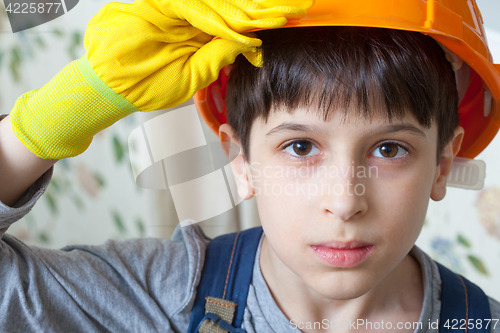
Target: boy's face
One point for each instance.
(346, 180)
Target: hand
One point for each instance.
(157, 54)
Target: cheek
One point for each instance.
(285, 202)
(401, 199)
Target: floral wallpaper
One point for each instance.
(85, 199)
(463, 230)
(488, 208)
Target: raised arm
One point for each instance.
(19, 167)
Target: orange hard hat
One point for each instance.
(456, 24)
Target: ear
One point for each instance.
(241, 172)
(450, 151)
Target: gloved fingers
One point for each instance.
(256, 5)
(239, 10)
(305, 4)
(290, 13)
(208, 61)
(243, 15)
(264, 23)
(259, 9)
(204, 18)
(227, 19)
(254, 57)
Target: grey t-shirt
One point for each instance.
(138, 285)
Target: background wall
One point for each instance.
(93, 197)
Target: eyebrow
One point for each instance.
(290, 126)
(404, 127)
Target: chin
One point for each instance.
(342, 289)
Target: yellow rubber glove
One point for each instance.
(148, 55)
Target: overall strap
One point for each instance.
(464, 306)
(224, 283)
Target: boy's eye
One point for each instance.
(390, 150)
(300, 148)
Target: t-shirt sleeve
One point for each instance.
(138, 285)
(9, 215)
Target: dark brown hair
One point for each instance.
(332, 67)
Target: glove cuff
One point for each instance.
(60, 119)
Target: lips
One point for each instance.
(341, 254)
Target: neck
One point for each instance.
(398, 297)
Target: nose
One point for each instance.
(346, 198)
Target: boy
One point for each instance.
(329, 99)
